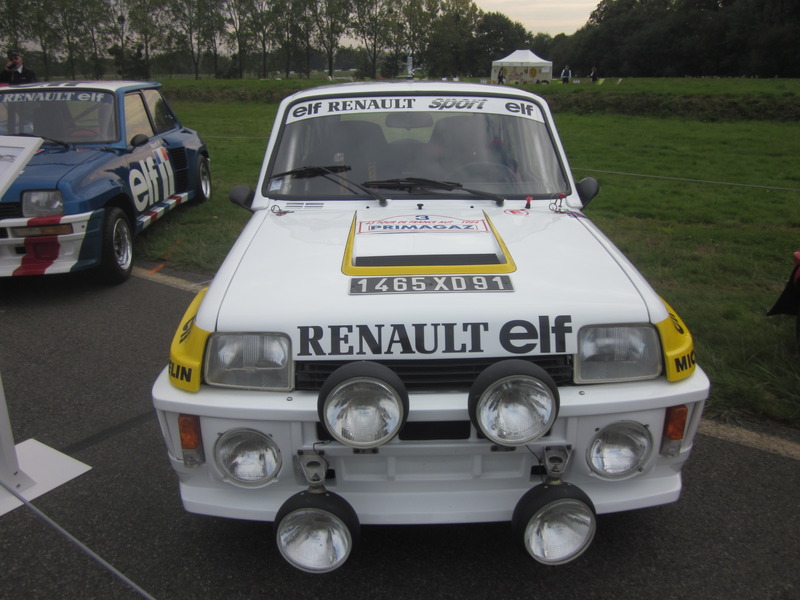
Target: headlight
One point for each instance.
(513, 402)
(619, 450)
(247, 457)
(42, 203)
(363, 405)
(249, 360)
(622, 353)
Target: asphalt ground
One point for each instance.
(77, 361)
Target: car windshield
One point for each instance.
(62, 116)
(334, 147)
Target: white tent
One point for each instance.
(523, 66)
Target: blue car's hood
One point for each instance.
(48, 167)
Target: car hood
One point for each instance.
(300, 273)
(49, 166)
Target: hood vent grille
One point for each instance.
(304, 205)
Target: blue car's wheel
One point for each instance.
(202, 188)
(117, 258)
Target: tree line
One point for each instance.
(445, 38)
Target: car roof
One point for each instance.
(411, 88)
(105, 85)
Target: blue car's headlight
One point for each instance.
(42, 203)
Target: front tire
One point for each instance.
(117, 249)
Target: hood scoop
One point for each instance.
(425, 244)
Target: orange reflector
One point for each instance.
(189, 426)
(61, 229)
(675, 422)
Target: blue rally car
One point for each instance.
(113, 159)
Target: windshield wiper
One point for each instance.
(332, 173)
(419, 183)
(45, 138)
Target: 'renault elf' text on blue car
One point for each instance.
(114, 158)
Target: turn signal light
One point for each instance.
(32, 231)
(191, 440)
(675, 422)
(189, 426)
(674, 430)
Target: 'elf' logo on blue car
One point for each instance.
(153, 181)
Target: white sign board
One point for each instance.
(15, 152)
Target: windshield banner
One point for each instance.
(383, 104)
(60, 96)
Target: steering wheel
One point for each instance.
(485, 172)
(82, 132)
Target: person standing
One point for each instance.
(593, 75)
(501, 76)
(16, 71)
(566, 75)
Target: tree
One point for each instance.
(70, 18)
(148, 23)
(261, 21)
(330, 24)
(43, 32)
(303, 31)
(119, 32)
(496, 36)
(190, 21)
(372, 24)
(15, 24)
(236, 14)
(448, 51)
(418, 17)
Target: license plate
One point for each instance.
(423, 284)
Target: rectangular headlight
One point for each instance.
(260, 361)
(42, 203)
(617, 353)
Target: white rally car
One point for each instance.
(419, 325)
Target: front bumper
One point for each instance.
(433, 480)
(78, 248)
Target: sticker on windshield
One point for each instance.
(437, 104)
(60, 96)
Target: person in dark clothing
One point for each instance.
(15, 71)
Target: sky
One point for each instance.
(544, 16)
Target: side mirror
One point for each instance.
(139, 139)
(587, 189)
(243, 196)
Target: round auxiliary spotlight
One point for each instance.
(247, 457)
(316, 531)
(556, 523)
(620, 450)
(513, 402)
(363, 404)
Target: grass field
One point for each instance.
(708, 211)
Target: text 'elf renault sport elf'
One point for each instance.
(419, 325)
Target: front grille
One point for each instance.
(432, 375)
(10, 210)
(180, 165)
